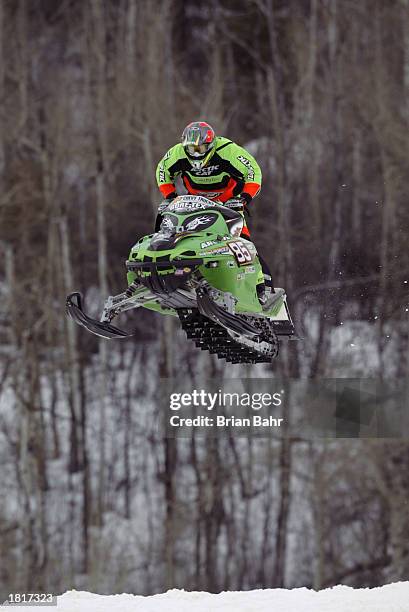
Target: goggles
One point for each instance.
(196, 150)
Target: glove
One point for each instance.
(246, 197)
(171, 196)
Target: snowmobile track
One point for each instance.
(209, 336)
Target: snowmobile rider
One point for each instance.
(210, 166)
(214, 167)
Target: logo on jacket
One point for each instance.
(207, 171)
(246, 162)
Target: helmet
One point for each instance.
(198, 140)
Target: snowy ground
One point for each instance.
(390, 598)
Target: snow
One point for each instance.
(353, 350)
(389, 598)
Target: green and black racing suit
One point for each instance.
(230, 172)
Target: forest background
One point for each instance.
(92, 94)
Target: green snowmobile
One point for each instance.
(198, 268)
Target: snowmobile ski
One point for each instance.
(74, 309)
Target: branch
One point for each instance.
(358, 569)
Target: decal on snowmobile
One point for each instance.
(169, 223)
(181, 272)
(189, 203)
(241, 253)
(202, 222)
(219, 251)
(186, 207)
(204, 245)
(236, 228)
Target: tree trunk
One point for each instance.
(285, 499)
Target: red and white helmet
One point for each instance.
(198, 140)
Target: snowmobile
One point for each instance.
(197, 267)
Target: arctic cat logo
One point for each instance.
(246, 162)
(207, 171)
(197, 221)
(204, 245)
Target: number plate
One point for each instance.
(241, 253)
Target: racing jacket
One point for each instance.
(230, 172)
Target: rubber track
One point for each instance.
(209, 336)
